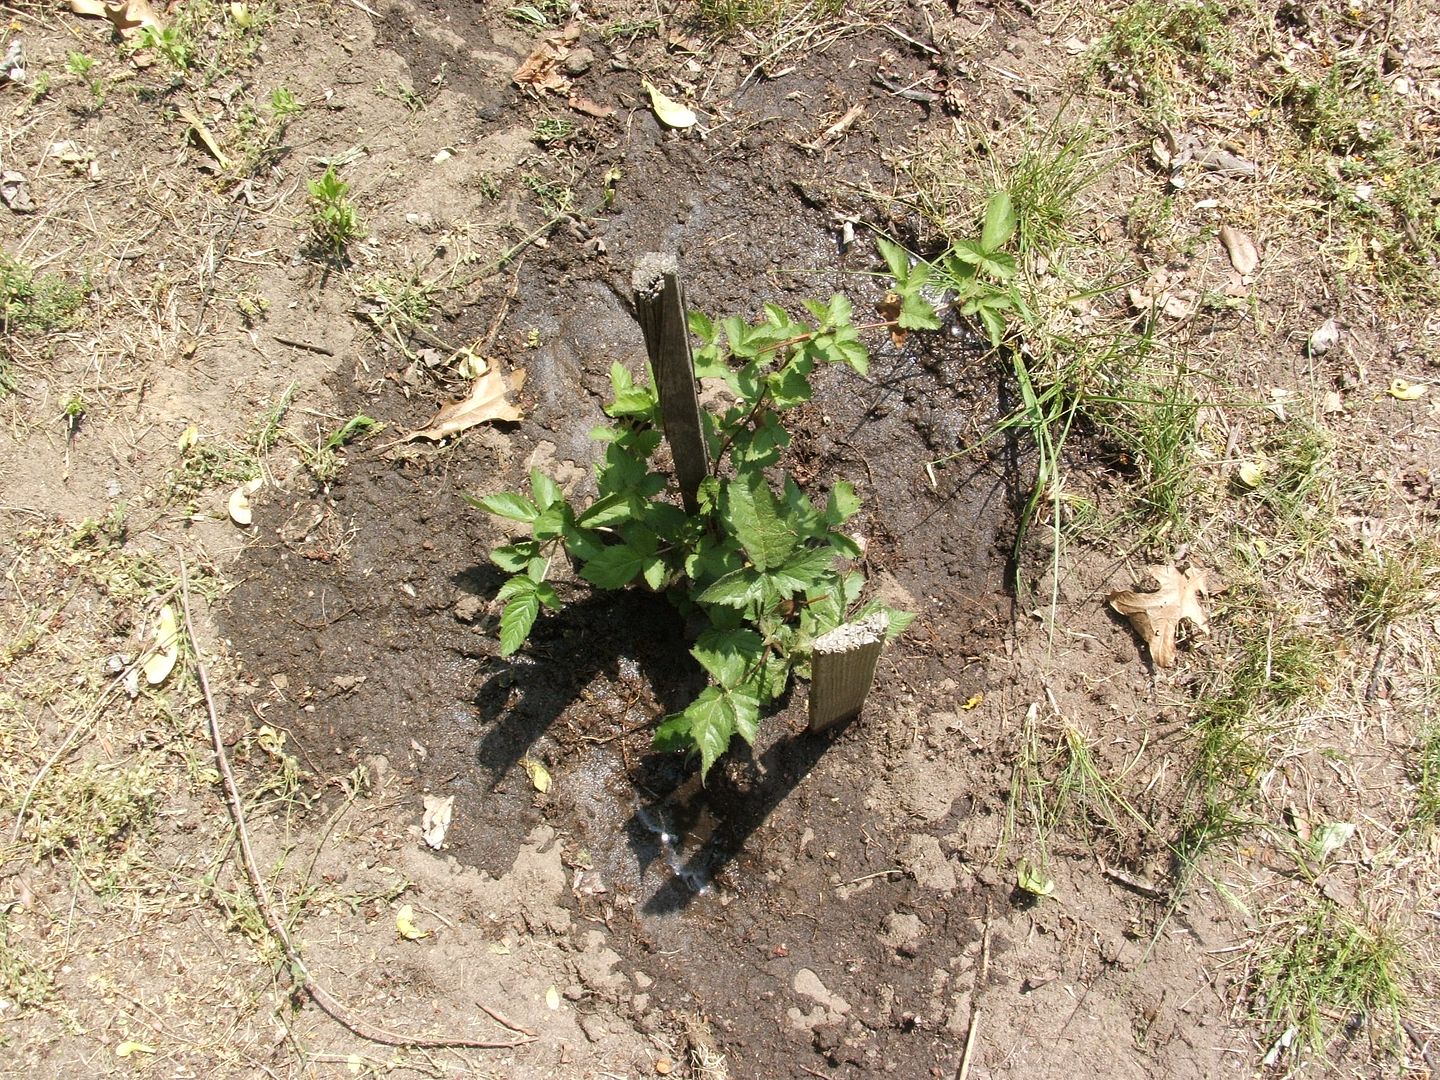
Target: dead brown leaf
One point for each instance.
(1156, 616)
(582, 104)
(486, 401)
(541, 69)
(126, 16)
(1244, 255)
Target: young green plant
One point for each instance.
(333, 220)
(762, 566)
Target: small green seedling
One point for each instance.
(324, 460)
(333, 220)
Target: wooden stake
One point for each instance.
(842, 667)
(660, 310)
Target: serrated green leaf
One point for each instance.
(800, 512)
(636, 401)
(654, 571)
(547, 493)
(847, 348)
(673, 733)
(614, 568)
(518, 617)
(583, 544)
(519, 585)
(513, 558)
(994, 324)
(714, 718)
(754, 516)
(550, 522)
(735, 589)
(728, 655)
(605, 512)
(896, 258)
(917, 313)
(546, 594)
(1000, 222)
(509, 504)
(790, 386)
(710, 363)
(843, 503)
(702, 326)
(806, 571)
(737, 336)
(897, 620)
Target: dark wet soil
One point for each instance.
(782, 863)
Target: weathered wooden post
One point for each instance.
(842, 667)
(660, 310)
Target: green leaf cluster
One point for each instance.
(766, 567)
(978, 276)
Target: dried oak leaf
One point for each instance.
(1156, 616)
(126, 16)
(541, 69)
(486, 401)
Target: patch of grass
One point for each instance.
(549, 130)
(390, 300)
(554, 196)
(628, 28)
(1386, 589)
(1272, 668)
(1045, 169)
(266, 432)
(325, 459)
(730, 16)
(541, 12)
(173, 43)
(1425, 773)
(406, 95)
(1323, 970)
(42, 303)
(1295, 488)
(1150, 44)
(1058, 783)
(1368, 180)
(204, 466)
(89, 811)
(23, 982)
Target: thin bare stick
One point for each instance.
(981, 973)
(317, 993)
(503, 1020)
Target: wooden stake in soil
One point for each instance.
(660, 310)
(842, 667)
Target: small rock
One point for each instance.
(592, 1027)
(468, 607)
(579, 62)
(1324, 338)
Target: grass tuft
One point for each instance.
(1324, 971)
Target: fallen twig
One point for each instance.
(1135, 885)
(981, 973)
(1423, 1045)
(306, 345)
(317, 993)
